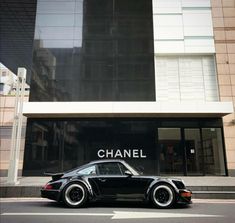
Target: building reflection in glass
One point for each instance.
(57, 145)
(86, 50)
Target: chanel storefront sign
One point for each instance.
(126, 153)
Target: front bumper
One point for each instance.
(51, 194)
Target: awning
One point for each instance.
(126, 109)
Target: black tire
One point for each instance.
(75, 195)
(163, 196)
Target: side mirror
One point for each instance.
(128, 173)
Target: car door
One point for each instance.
(135, 186)
(114, 184)
(109, 180)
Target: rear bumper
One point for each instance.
(184, 197)
(51, 194)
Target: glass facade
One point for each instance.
(170, 151)
(213, 150)
(160, 146)
(93, 50)
(17, 25)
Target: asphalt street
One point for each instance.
(41, 210)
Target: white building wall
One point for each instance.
(183, 26)
(184, 51)
(181, 78)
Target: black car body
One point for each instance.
(113, 180)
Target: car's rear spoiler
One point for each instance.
(55, 176)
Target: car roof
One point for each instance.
(106, 161)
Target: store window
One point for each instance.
(149, 145)
(170, 151)
(193, 152)
(213, 151)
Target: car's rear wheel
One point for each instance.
(75, 195)
(163, 196)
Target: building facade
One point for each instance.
(144, 80)
(223, 14)
(8, 82)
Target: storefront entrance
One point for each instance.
(154, 146)
(190, 151)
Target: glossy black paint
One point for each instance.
(116, 187)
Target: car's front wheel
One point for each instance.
(75, 195)
(163, 196)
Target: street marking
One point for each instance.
(121, 215)
(25, 199)
(213, 201)
(132, 215)
(57, 214)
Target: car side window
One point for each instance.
(91, 170)
(123, 168)
(109, 169)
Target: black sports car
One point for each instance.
(113, 180)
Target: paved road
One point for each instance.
(41, 210)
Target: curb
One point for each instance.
(203, 192)
(20, 191)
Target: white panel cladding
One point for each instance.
(199, 45)
(169, 33)
(182, 78)
(169, 46)
(168, 27)
(198, 31)
(167, 6)
(182, 26)
(196, 3)
(197, 22)
(168, 20)
(197, 17)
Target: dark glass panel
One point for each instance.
(136, 26)
(135, 89)
(58, 145)
(193, 152)
(17, 23)
(170, 151)
(134, 47)
(136, 7)
(98, 7)
(78, 55)
(61, 144)
(99, 48)
(213, 151)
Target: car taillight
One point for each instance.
(186, 194)
(48, 187)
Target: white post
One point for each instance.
(17, 127)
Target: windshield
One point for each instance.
(132, 169)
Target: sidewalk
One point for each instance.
(202, 187)
(26, 181)
(189, 181)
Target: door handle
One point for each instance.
(102, 180)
